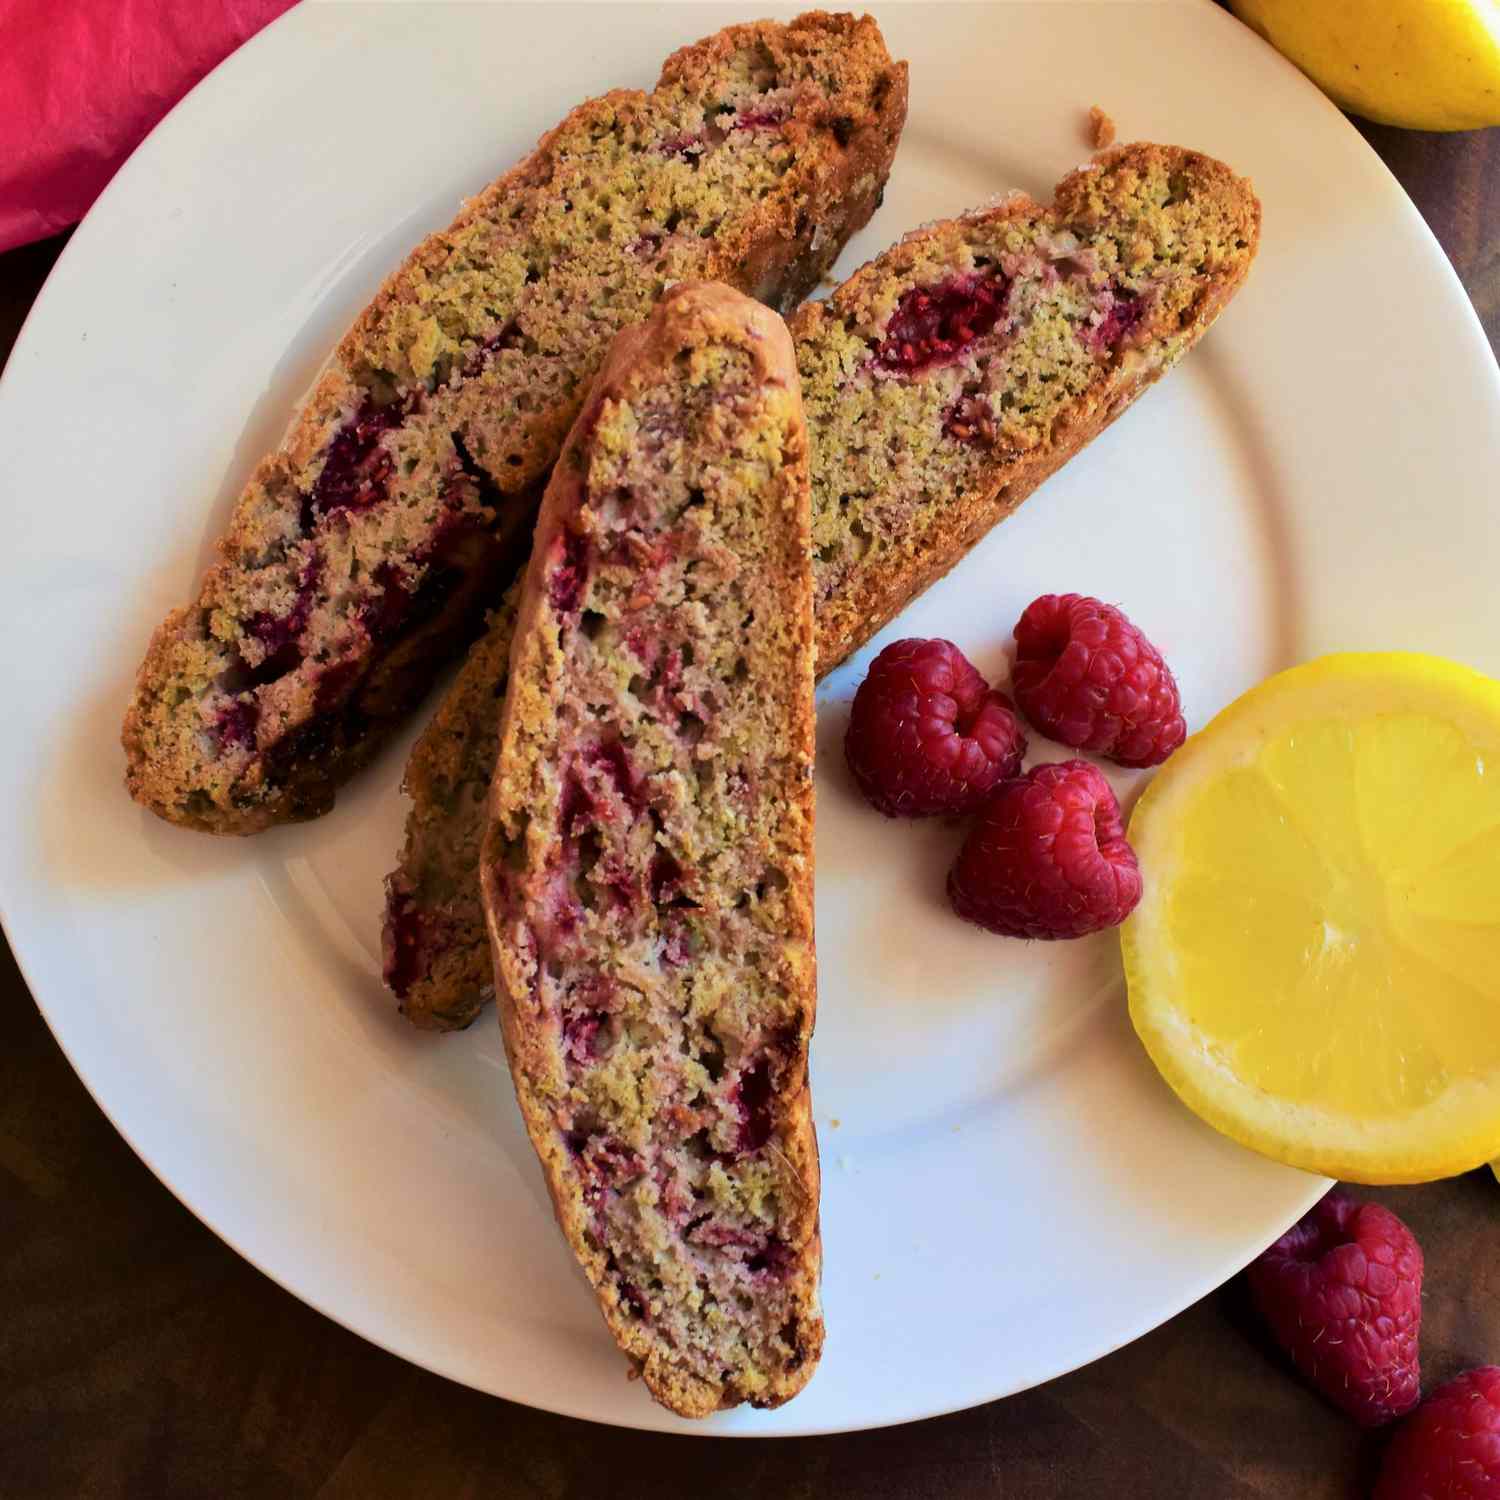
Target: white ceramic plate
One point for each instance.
(1009, 1189)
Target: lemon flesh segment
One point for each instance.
(1423, 64)
(1315, 963)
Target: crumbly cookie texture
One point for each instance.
(647, 859)
(942, 383)
(364, 552)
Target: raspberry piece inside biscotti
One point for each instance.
(649, 866)
(935, 325)
(357, 467)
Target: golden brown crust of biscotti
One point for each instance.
(691, 321)
(218, 741)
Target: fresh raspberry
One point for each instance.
(928, 734)
(1342, 1291)
(1085, 676)
(1450, 1450)
(1047, 858)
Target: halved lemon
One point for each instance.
(1315, 962)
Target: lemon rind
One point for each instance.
(1458, 1131)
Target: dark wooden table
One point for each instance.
(139, 1357)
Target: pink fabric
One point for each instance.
(83, 81)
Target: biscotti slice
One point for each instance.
(364, 551)
(647, 866)
(913, 458)
(435, 950)
(946, 379)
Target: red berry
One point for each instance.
(1450, 1450)
(1086, 677)
(1047, 858)
(1342, 1291)
(927, 734)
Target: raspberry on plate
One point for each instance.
(1342, 1292)
(928, 734)
(1088, 678)
(1048, 857)
(1450, 1449)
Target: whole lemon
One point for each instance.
(1424, 64)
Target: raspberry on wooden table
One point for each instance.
(1088, 678)
(1048, 857)
(928, 734)
(1449, 1449)
(1342, 1292)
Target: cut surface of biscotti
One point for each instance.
(942, 382)
(647, 864)
(366, 549)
